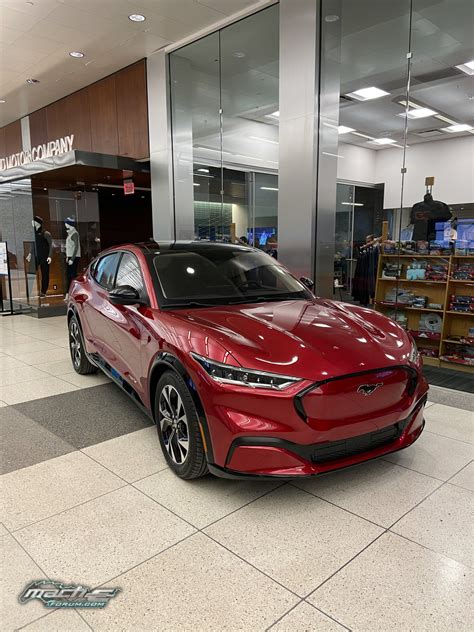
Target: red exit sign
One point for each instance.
(128, 187)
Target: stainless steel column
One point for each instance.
(306, 211)
(159, 121)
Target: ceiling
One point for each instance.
(36, 38)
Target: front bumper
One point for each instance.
(269, 457)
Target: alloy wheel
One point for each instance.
(75, 343)
(173, 424)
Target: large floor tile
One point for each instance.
(58, 368)
(204, 500)
(23, 442)
(465, 478)
(102, 538)
(37, 358)
(195, 585)
(379, 491)
(451, 422)
(34, 389)
(87, 416)
(305, 618)
(294, 537)
(450, 397)
(17, 570)
(434, 455)
(18, 375)
(443, 522)
(398, 585)
(7, 363)
(31, 347)
(85, 381)
(61, 620)
(131, 456)
(47, 488)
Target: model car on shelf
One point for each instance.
(244, 371)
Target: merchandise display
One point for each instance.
(425, 214)
(442, 314)
(43, 253)
(223, 386)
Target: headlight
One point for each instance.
(414, 355)
(244, 377)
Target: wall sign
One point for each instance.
(128, 187)
(40, 152)
(3, 259)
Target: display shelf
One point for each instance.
(454, 323)
(412, 281)
(458, 342)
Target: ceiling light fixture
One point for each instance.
(418, 113)
(459, 127)
(76, 54)
(238, 55)
(264, 140)
(352, 203)
(342, 129)
(195, 184)
(137, 17)
(382, 141)
(2, 101)
(366, 94)
(331, 18)
(203, 170)
(269, 188)
(32, 81)
(467, 67)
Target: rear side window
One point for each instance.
(105, 270)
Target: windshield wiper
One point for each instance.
(190, 304)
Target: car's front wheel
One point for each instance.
(178, 427)
(79, 359)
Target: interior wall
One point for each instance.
(356, 164)
(450, 161)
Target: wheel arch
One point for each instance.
(166, 361)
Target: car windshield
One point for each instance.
(221, 276)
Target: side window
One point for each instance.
(105, 269)
(129, 273)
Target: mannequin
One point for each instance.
(424, 216)
(73, 251)
(43, 252)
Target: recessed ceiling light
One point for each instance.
(365, 94)
(204, 170)
(195, 184)
(31, 81)
(352, 203)
(264, 140)
(137, 17)
(238, 55)
(467, 67)
(459, 127)
(331, 18)
(418, 113)
(76, 53)
(382, 141)
(342, 129)
(2, 100)
(269, 188)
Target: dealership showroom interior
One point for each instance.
(236, 315)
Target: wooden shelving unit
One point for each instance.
(454, 323)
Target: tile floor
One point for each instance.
(86, 497)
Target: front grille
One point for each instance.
(333, 450)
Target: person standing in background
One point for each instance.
(73, 252)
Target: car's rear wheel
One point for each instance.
(79, 358)
(178, 427)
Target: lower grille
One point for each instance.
(363, 443)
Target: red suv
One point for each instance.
(243, 370)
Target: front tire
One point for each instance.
(79, 358)
(178, 427)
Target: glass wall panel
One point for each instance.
(224, 103)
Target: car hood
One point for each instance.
(308, 339)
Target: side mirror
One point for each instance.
(124, 295)
(308, 282)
